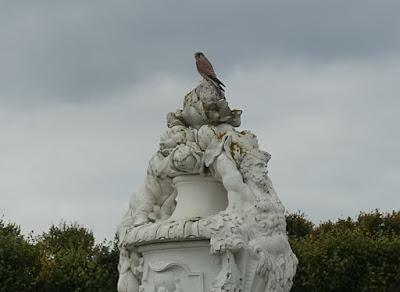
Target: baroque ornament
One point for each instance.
(204, 161)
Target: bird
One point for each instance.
(206, 70)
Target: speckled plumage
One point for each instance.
(206, 70)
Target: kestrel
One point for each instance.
(206, 70)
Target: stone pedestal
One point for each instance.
(178, 266)
(176, 258)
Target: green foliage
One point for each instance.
(71, 261)
(376, 223)
(361, 254)
(297, 225)
(348, 255)
(67, 237)
(19, 260)
(64, 259)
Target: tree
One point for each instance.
(19, 259)
(71, 261)
(350, 255)
(297, 225)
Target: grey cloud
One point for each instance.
(80, 161)
(331, 133)
(87, 50)
(79, 80)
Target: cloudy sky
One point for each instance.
(85, 86)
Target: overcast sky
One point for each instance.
(85, 87)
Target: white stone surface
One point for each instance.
(198, 197)
(207, 183)
(178, 266)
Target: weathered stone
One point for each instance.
(207, 217)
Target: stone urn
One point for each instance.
(198, 197)
(185, 264)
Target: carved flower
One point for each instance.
(175, 136)
(205, 135)
(187, 158)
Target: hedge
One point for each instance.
(361, 254)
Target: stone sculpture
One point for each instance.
(247, 237)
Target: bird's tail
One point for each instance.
(217, 82)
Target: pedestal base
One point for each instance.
(178, 266)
